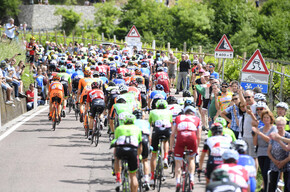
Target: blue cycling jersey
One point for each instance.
(157, 94)
(145, 71)
(143, 125)
(70, 71)
(105, 80)
(78, 74)
(119, 81)
(249, 163)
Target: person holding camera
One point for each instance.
(10, 29)
(31, 48)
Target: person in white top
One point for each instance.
(10, 29)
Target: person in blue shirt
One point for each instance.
(144, 125)
(156, 95)
(146, 74)
(39, 77)
(69, 70)
(104, 78)
(119, 80)
(212, 72)
(246, 161)
(76, 76)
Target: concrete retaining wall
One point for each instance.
(8, 112)
(41, 17)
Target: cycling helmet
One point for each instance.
(161, 104)
(62, 68)
(78, 65)
(138, 113)
(216, 128)
(260, 97)
(128, 74)
(117, 58)
(144, 64)
(96, 85)
(111, 83)
(160, 69)
(87, 72)
(189, 102)
(123, 89)
(96, 74)
(69, 65)
(56, 78)
(121, 99)
(102, 74)
(129, 119)
(180, 101)
(221, 120)
(119, 76)
(133, 83)
(139, 80)
(190, 108)
(138, 72)
(240, 146)
(123, 64)
(186, 94)
(261, 104)
(159, 87)
(220, 175)
(230, 154)
(282, 105)
(171, 100)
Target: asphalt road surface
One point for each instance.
(35, 158)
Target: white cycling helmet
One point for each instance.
(260, 97)
(282, 105)
(261, 104)
(123, 88)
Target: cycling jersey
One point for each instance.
(136, 91)
(226, 132)
(160, 118)
(186, 127)
(157, 94)
(102, 69)
(161, 76)
(119, 108)
(65, 77)
(144, 125)
(104, 79)
(248, 163)
(70, 71)
(127, 135)
(56, 92)
(222, 186)
(85, 87)
(95, 94)
(175, 110)
(224, 100)
(77, 74)
(123, 71)
(145, 72)
(119, 81)
(238, 174)
(131, 100)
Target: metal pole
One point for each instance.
(168, 47)
(282, 82)
(153, 47)
(35, 98)
(270, 87)
(184, 47)
(114, 38)
(103, 37)
(223, 69)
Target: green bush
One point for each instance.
(70, 19)
(9, 8)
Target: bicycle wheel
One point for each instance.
(186, 183)
(54, 119)
(77, 112)
(140, 175)
(86, 125)
(158, 175)
(173, 169)
(96, 134)
(69, 104)
(125, 180)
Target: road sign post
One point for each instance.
(224, 50)
(133, 39)
(255, 73)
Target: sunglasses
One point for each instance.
(260, 109)
(247, 97)
(224, 86)
(210, 66)
(234, 99)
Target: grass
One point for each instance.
(8, 50)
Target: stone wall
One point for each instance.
(41, 17)
(9, 112)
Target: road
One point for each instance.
(34, 158)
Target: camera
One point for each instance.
(23, 66)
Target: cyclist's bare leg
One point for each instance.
(191, 162)
(153, 162)
(165, 149)
(59, 110)
(178, 164)
(51, 108)
(134, 182)
(91, 123)
(146, 169)
(112, 125)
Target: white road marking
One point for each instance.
(9, 131)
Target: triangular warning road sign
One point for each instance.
(133, 32)
(224, 45)
(256, 64)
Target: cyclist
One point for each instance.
(144, 125)
(282, 108)
(161, 120)
(188, 131)
(131, 97)
(67, 85)
(83, 89)
(96, 104)
(118, 108)
(128, 138)
(146, 73)
(220, 180)
(133, 88)
(155, 96)
(247, 162)
(119, 80)
(70, 69)
(174, 107)
(226, 131)
(162, 78)
(76, 76)
(238, 174)
(56, 93)
(123, 70)
(216, 145)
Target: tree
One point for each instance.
(69, 18)
(9, 8)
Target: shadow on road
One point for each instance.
(34, 130)
(86, 182)
(89, 166)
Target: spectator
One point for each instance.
(19, 69)
(234, 86)
(261, 139)
(233, 111)
(282, 108)
(279, 158)
(30, 97)
(212, 72)
(87, 3)
(184, 68)
(41, 96)
(172, 65)
(5, 85)
(40, 2)
(224, 100)
(31, 48)
(10, 30)
(39, 77)
(12, 74)
(212, 112)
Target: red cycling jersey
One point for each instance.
(95, 94)
(186, 127)
(161, 76)
(102, 69)
(123, 71)
(238, 174)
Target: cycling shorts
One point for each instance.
(165, 84)
(111, 101)
(211, 165)
(158, 133)
(75, 83)
(65, 88)
(144, 100)
(145, 146)
(97, 106)
(185, 139)
(84, 96)
(129, 154)
(56, 96)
